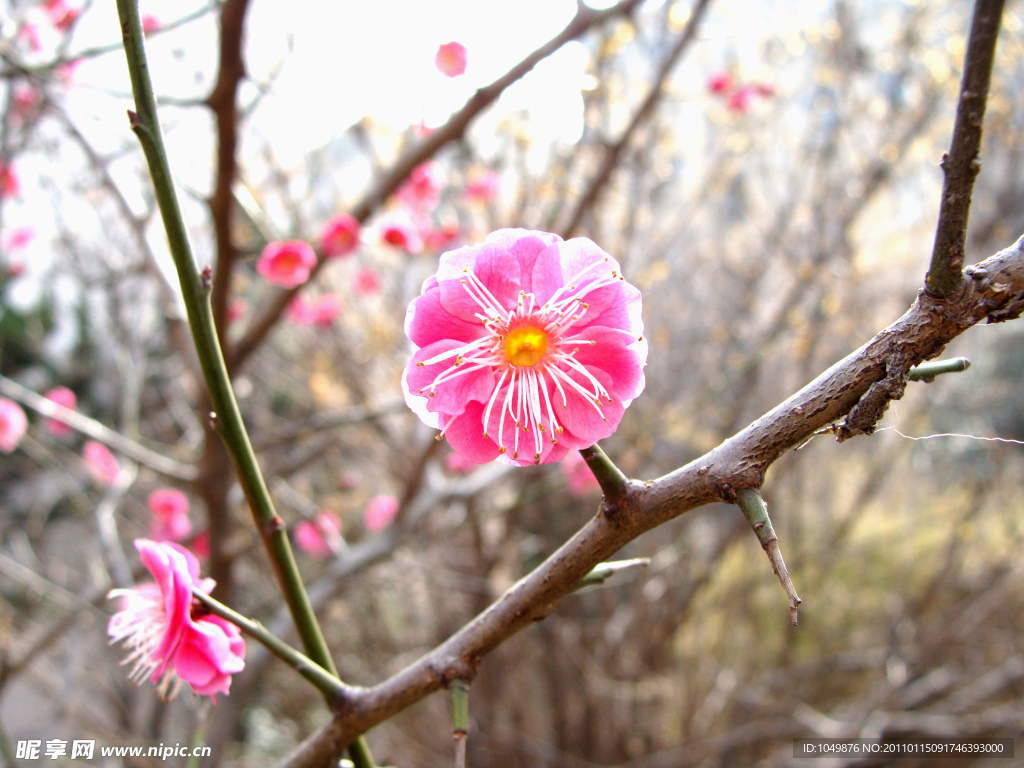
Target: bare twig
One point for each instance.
(961, 164)
(453, 130)
(756, 511)
(646, 109)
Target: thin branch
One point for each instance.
(961, 164)
(328, 684)
(611, 479)
(994, 291)
(94, 429)
(585, 19)
(195, 293)
(646, 109)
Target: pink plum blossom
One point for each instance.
(201, 545)
(367, 282)
(150, 23)
(483, 185)
(578, 478)
(458, 464)
(18, 238)
(340, 236)
(170, 515)
(12, 425)
(422, 190)
(398, 229)
(61, 396)
(741, 99)
(379, 512)
(321, 536)
(527, 347)
(287, 263)
(10, 185)
(100, 462)
(169, 638)
(29, 32)
(451, 59)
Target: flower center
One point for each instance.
(524, 347)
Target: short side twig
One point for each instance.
(756, 511)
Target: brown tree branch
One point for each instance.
(961, 165)
(646, 109)
(585, 19)
(992, 291)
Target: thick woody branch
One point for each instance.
(961, 164)
(992, 291)
(453, 130)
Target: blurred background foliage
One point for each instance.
(776, 209)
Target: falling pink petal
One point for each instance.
(379, 512)
(100, 462)
(287, 263)
(451, 59)
(13, 425)
(61, 396)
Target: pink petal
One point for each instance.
(466, 436)
(451, 396)
(427, 321)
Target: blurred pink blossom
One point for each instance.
(170, 515)
(18, 238)
(29, 32)
(10, 185)
(741, 99)
(458, 464)
(366, 282)
(237, 308)
(287, 263)
(60, 14)
(439, 238)
(398, 229)
(321, 536)
(578, 477)
(321, 311)
(12, 425)
(100, 462)
(340, 236)
(201, 545)
(150, 23)
(61, 396)
(26, 100)
(169, 637)
(379, 513)
(422, 190)
(451, 59)
(720, 83)
(483, 185)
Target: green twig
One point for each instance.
(927, 372)
(603, 571)
(613, 483)
(756, 511)
(328, 684)
(458, 689)
(195, 289)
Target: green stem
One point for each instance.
(458, 689)
(328, 684)
(195, 289)
(927, 372)
(611, 479)
(603, 571)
